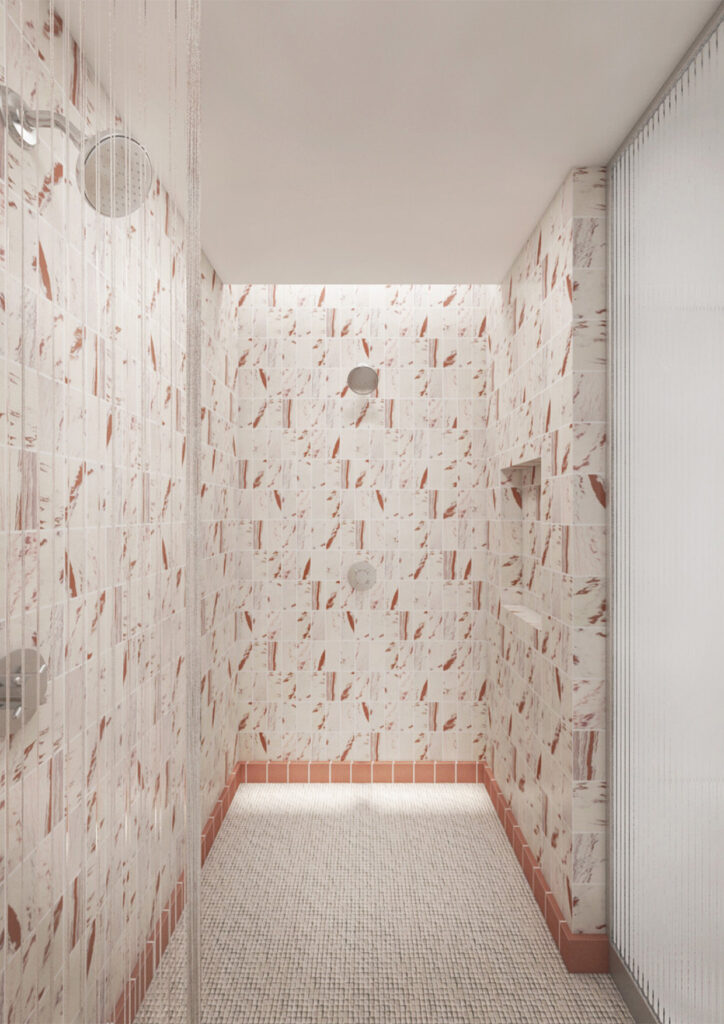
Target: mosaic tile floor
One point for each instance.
(372, 905)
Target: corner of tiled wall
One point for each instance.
(546, 444)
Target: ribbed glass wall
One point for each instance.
(93, 525)
(667, 388)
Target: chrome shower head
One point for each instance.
(114, 173)
(114, 170)
(363, 379)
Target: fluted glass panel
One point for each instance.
(667, 412)
(93, 625)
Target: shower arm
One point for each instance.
(22, 124)
(51, 119)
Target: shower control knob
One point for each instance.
(362, 576)
(23, 686)
(362, 379)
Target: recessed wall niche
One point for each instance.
(521, 593)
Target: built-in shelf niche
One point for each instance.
(521, 496)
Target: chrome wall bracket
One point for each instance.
(15, 118)
(23, 123)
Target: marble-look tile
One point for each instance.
(589, 908)
(548, 750)
(400, 475)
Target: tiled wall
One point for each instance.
(92, 448)
(546, 594)
(328, 479)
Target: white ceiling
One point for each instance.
(412, 140)
(364, 141)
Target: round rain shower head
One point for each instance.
(114, 173)
(362, 379)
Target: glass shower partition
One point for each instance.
(95, 247)
(667, 416)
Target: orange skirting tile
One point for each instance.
(582, 954)
(361, 771)
(382, 771)
(319, 771)
(340, 772)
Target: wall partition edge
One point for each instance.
(672, 982)
(193, 569)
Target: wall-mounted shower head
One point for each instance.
(362, 379)
(114, 170)
(114, 173)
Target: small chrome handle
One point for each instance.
(23, 686)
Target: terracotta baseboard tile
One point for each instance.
(340, 771)
(527, 862)
(361, 771)
(402, 771)
(582, 954)
(382, 771)
(518, 844)
(467, 771)
(540, 889)
(509, 824)
(501, 808)
(256, 771)
(299, 771)
(319, 771)
(554, 918)
(276, 771)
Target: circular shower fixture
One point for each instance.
(114, 173)
(362, 379)
(114, 170)
(362, 576)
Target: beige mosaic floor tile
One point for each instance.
(374, 904)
